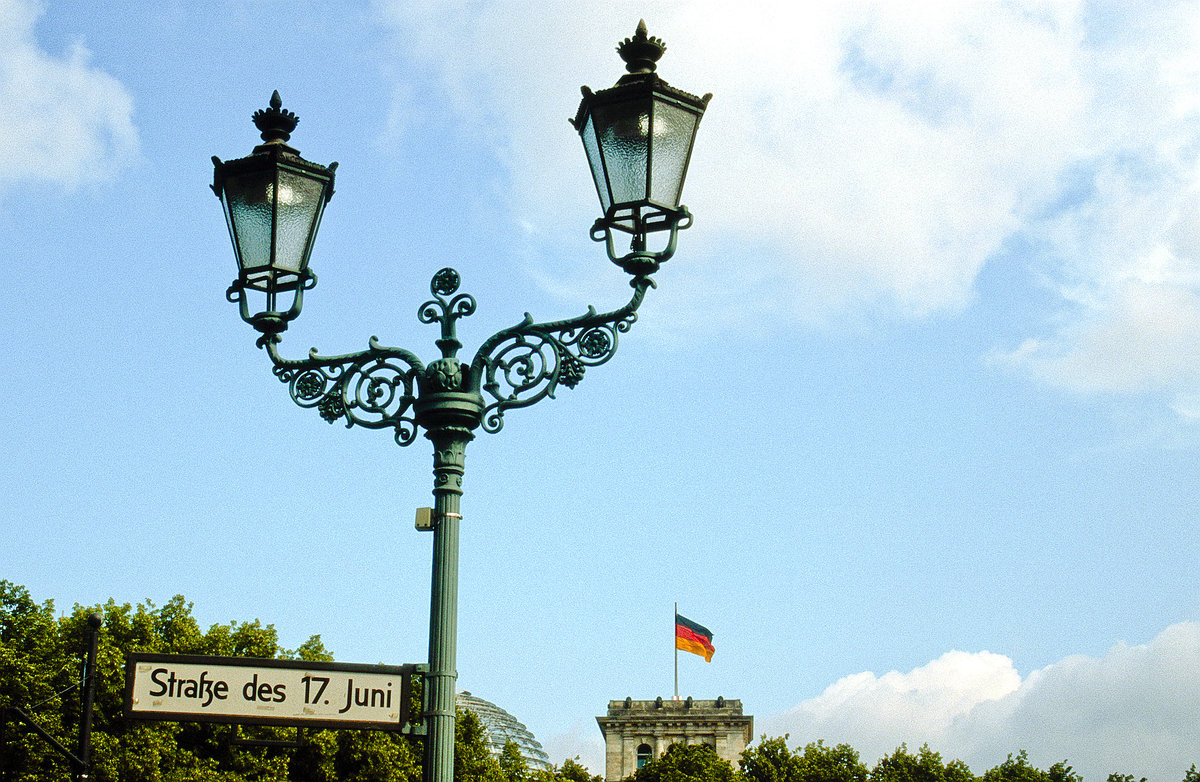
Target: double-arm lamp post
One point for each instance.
(638, 137)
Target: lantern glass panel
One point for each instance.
(248, 210)
(592, 149)
(674, 129)
(299, 201)
(624, 139)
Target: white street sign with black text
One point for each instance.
(262, 691)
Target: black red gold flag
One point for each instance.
(694, 638)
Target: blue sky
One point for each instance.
(911, 422)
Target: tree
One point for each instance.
(574, 771)
(1015, 769)
(687, 763)
(39, 673)
(512, 765)
(772, 761)
(473, 762)
(769, 761)
(1019, 769)
(569, 771)
(33, 671)
(839, 763)
(925, 766)
(1061, 772)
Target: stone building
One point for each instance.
(636, 731)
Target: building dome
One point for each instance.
(501, 727)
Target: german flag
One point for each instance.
(694, 638)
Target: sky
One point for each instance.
(911, 421)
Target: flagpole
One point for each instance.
(674, 630)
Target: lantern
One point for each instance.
(638, 136)
(273, 203)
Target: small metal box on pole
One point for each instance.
(424, 521)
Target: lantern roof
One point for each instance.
(275, 123)
(641, 53)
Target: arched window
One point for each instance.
(644, 752)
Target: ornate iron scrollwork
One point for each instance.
(516, 367)
(525, 363)
(444, 310)
(374, 388)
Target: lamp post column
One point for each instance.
(449, 415)
(449, 446)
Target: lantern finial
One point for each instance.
(641, 52)
(276, 123)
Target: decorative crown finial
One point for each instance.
(275, 123)
(641, 52)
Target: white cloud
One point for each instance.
(1128, 241)
(880, 155)
(877, 155)
(62, 120)
(1140, 337)
(923, 702)
(1136, 710)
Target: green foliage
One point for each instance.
(369, 756)
(839, 763)
(1015, 770)
(925, 766)
(311, 650)
(39, 673)
(512, 765)
(1061, 772)
(569, 771)
(772, 761)
(1124, 778)
(687, 763)
(472, 760)
(33, 671)
(573, 771)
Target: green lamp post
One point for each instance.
(638, 137)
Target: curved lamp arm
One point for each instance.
(526, 363)
(374, 388)
(380, 387)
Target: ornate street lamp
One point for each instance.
(273, 203)
(638, 137)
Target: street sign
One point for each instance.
(259, 691)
